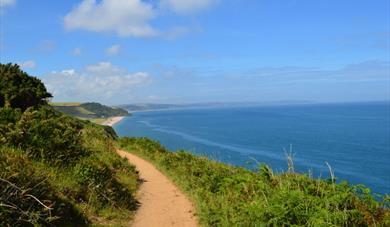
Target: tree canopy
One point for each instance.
(19, 90)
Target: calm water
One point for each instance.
(353, 138)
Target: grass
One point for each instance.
(98, 120)
(225, 195)
(56, 170)
(65, 103)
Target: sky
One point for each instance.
(191, 51)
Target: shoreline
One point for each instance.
(112, 121)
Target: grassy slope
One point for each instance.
(74, 109)
(86, 111)
(231, 196)
(96, 188)
(65, 103)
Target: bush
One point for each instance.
(47, 135)
(19, 90)
(8, 119)
(100, 185)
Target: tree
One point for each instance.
(19, 90)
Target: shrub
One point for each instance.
(47, 135)
(100, 185)
(19, 90)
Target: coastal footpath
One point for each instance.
(161, 202)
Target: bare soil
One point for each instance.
(162, 203)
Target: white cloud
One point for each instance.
(5, 3)
(76, 52)
(125, 17)
(100, 82)
(113, 50)
(132, 17)
(30, 64)
(187, 6)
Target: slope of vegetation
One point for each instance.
(89, 110)
(56, 170)
(231, 196)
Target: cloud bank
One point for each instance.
(99, 82)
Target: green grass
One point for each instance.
(225, 195)
(65, 103)
(98, 120)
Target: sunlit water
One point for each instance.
(353, 138)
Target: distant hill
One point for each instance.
(89, 110)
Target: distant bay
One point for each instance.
(354, 138)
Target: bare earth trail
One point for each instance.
(162, 203)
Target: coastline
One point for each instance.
(112, 121)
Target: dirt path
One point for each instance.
(162, 204)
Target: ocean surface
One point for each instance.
(353, 138)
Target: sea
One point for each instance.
(350, 139)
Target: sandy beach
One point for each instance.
(112, 121)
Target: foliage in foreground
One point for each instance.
(56, 170)
(70, 166)
(232, 196)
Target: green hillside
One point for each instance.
(56, 170)
(89, 110)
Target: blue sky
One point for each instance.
(183, 51)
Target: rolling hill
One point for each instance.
(89, 110)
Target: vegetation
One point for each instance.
(56, 170)
(91, 111)
(104, 111)
(18, 90)
(233, 196)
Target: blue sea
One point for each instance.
(353, 138)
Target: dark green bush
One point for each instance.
(8, 119)
(19, 90)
